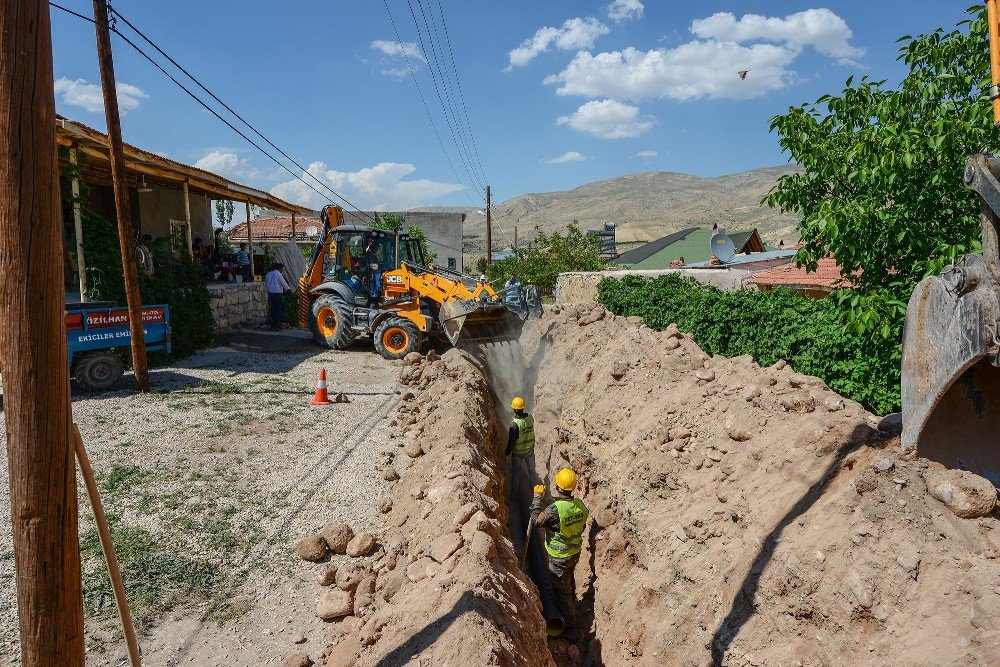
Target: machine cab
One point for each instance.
(359, 255)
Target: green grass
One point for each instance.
(157, 575)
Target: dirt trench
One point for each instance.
(740, 516)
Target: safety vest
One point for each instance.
(572, 519)
(525, 434)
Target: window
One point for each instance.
(452, 264)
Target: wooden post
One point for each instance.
(293, 226)
(515, 238)
(43, 502)
(250, 241)
(81, 265)
(126, 236)
(187, 217)
(489, 232)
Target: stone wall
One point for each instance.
(238, 304)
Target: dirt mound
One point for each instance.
(442, 586)
(751, 516)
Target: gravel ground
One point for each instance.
(208, 482)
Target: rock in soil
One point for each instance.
(966, 494)
(337, 535)
(311, 547)
(334, 604)
(361, 545)
(327, 575)
(297, 659)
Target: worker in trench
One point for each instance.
(563, 520)
(521, 443)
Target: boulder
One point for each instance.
(327, 575)
(445, 546)
(413, 358)
(297, 659)
(966, 494)
(337, 536)
(311, 547)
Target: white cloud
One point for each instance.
(88, 96)
(569, 156)
(709, 67)
(576, 33)
(227, 164)
(819, 28)
(645, 154)
(382, 187)
(399, 57)
(608, 119)
(624, 10)
(409, 49)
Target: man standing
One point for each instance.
(563, 521)
(511, 284)
(276, 286)
(521, 442)
(243, 262)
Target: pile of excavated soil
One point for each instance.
(751, 516)
(442, 586)
(740, 516)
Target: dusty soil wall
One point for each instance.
(443, 587)
(751, 516)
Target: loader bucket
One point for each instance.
(950, 379)
(480, 322)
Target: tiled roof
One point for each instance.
(274, 227)
(826, 276)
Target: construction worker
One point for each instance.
(521, 443)
(564, 521)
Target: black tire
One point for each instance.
(99, 371)
(396, 337)
(331, 322)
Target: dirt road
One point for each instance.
(207, 481)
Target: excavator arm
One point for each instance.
(951, 340)
(330, 217)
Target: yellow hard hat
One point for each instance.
(517, 403)
(566, 479)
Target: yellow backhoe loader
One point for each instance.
(951, 341)
(364, 281)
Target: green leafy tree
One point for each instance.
(881, 187)
(548, 256)
(224, 212)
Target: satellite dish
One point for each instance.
(312, 230)
(723, 248)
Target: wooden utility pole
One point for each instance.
(489, 231)
(126, 236)
(81, 264)
(515, 238)
(37, 417)
(250, 242)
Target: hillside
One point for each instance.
(646, 206)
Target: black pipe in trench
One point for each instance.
(536, 563)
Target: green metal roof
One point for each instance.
(694, 245)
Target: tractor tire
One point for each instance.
(99, 371)
(396, 337)
(331, 322)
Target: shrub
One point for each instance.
(809, 334)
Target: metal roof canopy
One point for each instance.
(157, 169)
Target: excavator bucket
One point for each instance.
(951, 341)
(492, 320)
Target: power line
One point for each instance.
(423, 102)
(461, 93)
(437, 91)
(433, 41)
(231, 110)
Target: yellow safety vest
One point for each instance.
(525, 434)
(569, 538)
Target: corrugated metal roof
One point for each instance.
(646, 251)
(750, 258)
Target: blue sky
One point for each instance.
(558, 93)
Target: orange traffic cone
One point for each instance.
(320, 397)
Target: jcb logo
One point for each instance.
(394, 279)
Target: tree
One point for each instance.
(549, 256)
(224, 212)
(881, 187)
